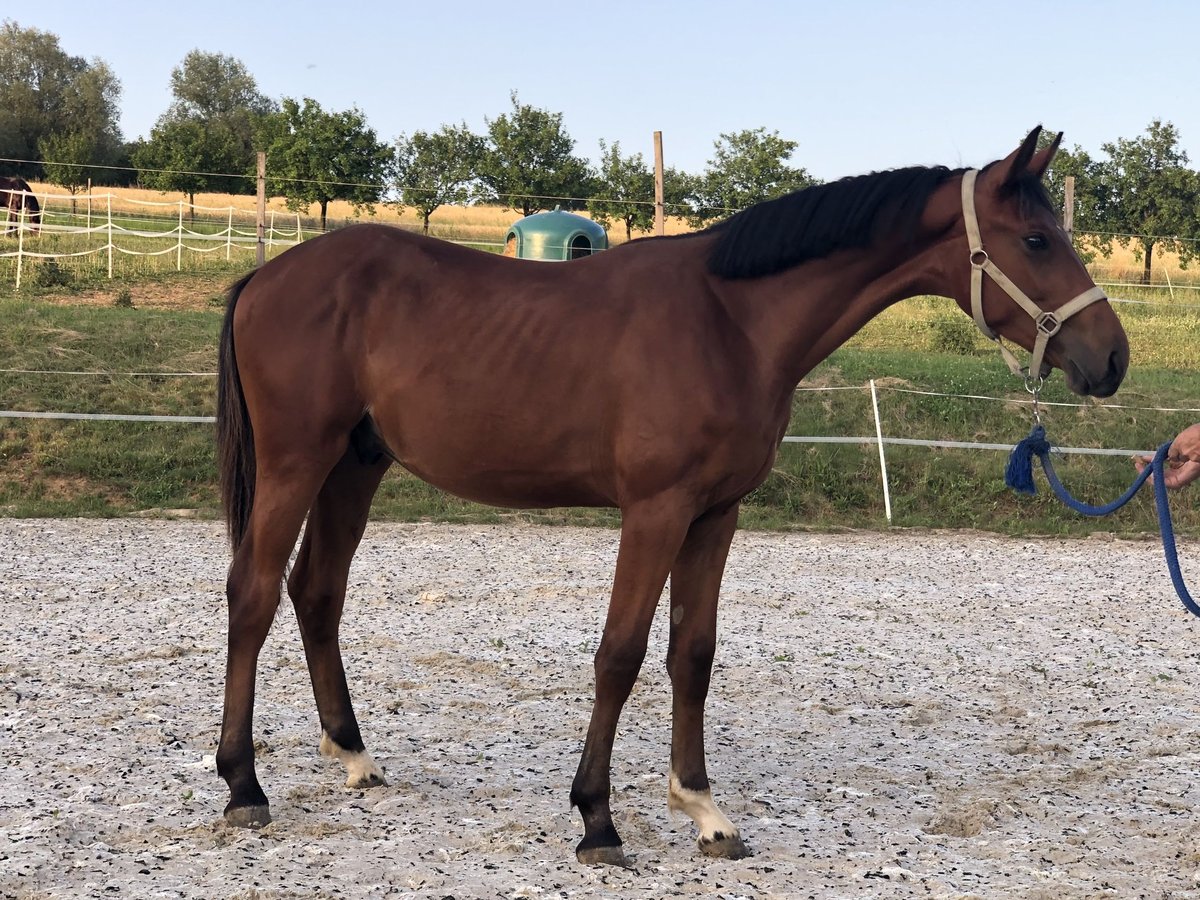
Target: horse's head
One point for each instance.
(1017, 273)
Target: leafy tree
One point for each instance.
(67, 155)
(213, 86)
(210, 127)
(314, 156)
(680, 190)
(529, 163)
(748, 167)
(436, 169)
(44, 92)
(1146, 196)
(626, 189)
(183, 155)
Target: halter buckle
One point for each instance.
(1048, 324)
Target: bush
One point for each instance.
(50, 274)
(953, 334)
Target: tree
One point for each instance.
(192, 157)
(748, 167)
(529, 163)
(205, 141)
(315, 156)
(212, 86)
(436, 169)
(44, 92)
(1146, 196)
(66, 156)
(626, 189)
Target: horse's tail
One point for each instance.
(235, 436)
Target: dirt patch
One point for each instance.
(188, 293)
(909, 714)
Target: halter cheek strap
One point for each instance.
(1048, 323)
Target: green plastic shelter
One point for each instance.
(555, 236)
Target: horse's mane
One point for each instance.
(812, 223)
(852, 212)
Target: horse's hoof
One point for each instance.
(248, 816)
(366, 780)
(603, 856)
(725, 847)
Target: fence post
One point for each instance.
(1069, 207)
(660, 219)
(271, 232)
(887, 497)
(179, 242)
(229, 237)
(108, 203)
(261, 208)
(20, 244)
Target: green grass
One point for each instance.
(110, 469)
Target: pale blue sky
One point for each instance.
(859, 85)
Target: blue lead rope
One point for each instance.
(1018, 475)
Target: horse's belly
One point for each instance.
(491, 462)
(515, 488)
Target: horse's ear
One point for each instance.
(1020, 161)
(1042, 159)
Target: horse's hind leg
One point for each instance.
(695, 586)
(286, 486)
(317, 586)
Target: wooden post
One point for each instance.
(261, 254)
(1069, 206)
(660, 222)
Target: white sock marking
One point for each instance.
(361, 770)
(699, 807)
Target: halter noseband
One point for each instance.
(1048, 323)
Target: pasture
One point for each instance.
(898, 714)
(105, 468)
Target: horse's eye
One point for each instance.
(1036, 241)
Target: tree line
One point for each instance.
(58, 122)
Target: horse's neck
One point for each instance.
(796, 318)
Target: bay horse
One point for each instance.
(656, 378)
(17, 196)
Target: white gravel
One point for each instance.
(892, 715)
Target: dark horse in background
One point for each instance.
(17, 197)
(656, 378)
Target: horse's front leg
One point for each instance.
(695, 586)
(651, 534)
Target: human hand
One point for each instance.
(1183, 459)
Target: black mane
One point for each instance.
(778, 234)
(852, 212)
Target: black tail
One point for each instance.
(235, 437)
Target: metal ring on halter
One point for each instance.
(1048, 324)
(982, 256)
(1034, 384)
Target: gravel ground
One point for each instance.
(892, 715)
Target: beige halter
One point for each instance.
(1048, 323)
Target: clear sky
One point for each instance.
(859, 85)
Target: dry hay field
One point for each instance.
(903, 714)
(460, 223)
